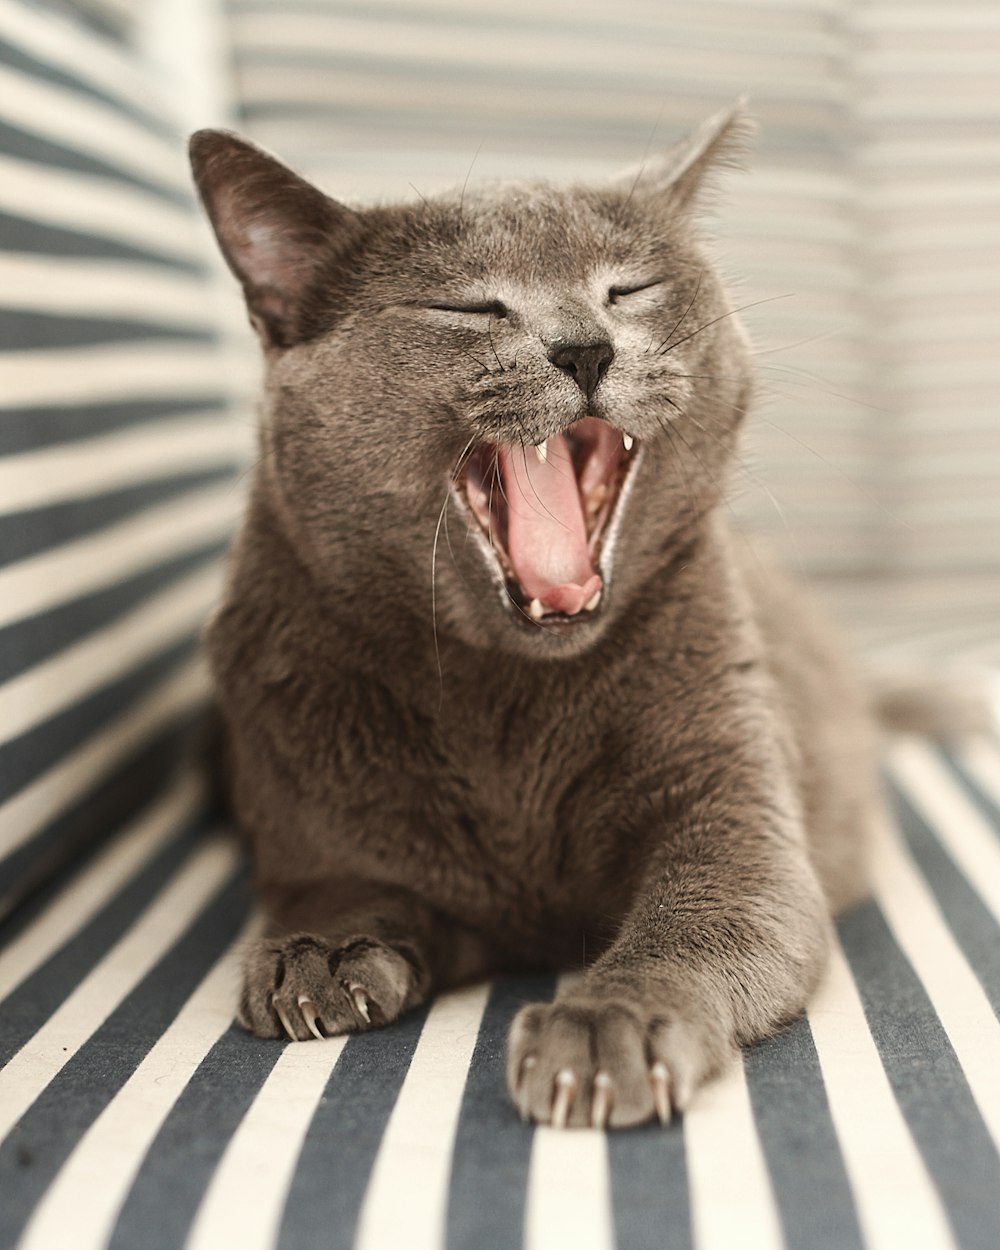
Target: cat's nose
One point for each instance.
(586, 363)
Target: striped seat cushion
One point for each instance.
(133, 1114)
(117, 447)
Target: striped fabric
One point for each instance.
(133, 1114)
(117, 447)
(871, 221)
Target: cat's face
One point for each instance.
(506, 409)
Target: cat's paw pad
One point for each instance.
(603, 1063)
(304, 986)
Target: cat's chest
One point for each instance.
(521, 797)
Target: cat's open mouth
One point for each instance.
(547, 513)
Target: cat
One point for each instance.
(502, 688)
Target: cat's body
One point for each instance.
(600, 734)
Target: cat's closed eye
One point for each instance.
(616, 293)
(488, 308)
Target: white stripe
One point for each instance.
(960, 826)
(732, 1203)
(49, 688)
(102, 559)
(85, 375)
(89, 205)
(33, 807)
(104, 876)
(69, 285)
(88, 1192)
(569, 1191)
(155, 450)
(418, 1139)
(244, 1203)
(568, 1201)
(90, 126)
(896, 1202)
(955, 993)
(37, 1063)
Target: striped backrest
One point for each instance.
(870, 223)
(117, 445)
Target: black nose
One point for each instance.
(586, 363)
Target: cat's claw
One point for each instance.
(659, 1078)
(522, 1095)
(282, 1015)
(360, 999)
(566, 1084)
(600, 1106)
(308, 1009)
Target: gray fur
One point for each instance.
(674, 789)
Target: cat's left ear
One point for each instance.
(684, 171)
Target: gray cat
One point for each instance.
(502, 690)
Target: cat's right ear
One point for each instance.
(282, 237)
(682, 176)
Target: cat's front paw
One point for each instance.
(599, 1062)
(304, 986)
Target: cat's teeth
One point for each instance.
(542, 450)
(628, 440)
(536, 609)
(592, 603)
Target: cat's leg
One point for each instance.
(343, 957)
(726, 938)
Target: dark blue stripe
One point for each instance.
(28, 756)
(980, 797)
(91, 819)
(166, 1193)
(651, 1205)
(492, 1155)
(29, 533)
(24, 330)
(972, 924)
(27, 429)
(926, 1079)
(43, 1139)
(20, 60)
(29, 642)
(89, 15)
(328, 1187)
(31, 147)
(795, 1127)
(21, 234)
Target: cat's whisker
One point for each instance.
(770, 299)
(493, 349)
(677, 325)
(754, 478)
(454, 477)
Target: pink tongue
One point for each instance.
(546, 532)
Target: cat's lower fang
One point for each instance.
(537, 609)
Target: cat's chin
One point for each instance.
(546, 519)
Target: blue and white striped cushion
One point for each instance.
(133, 1114)
(117, 446)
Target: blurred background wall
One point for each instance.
(869, 223)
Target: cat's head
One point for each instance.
(511, 407)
